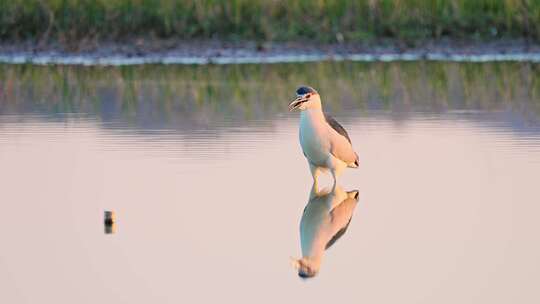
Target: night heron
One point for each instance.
(324, 141)
(325, 219)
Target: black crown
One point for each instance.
(305, 90)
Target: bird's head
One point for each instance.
(306, 98)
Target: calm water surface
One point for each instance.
(203, 169)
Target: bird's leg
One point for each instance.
(336, 172)
(335, 176)
(315, 174)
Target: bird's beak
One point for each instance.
(297, 102)
(295, 263)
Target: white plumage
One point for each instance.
(324, 141)
(325, 219)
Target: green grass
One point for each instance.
(212, 93)
(264, 20)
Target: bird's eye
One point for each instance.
(308, 95)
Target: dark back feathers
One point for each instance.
(336, 126)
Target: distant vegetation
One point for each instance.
(207, 95)
(326, 21)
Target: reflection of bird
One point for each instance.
(325, 219)
(324, 141)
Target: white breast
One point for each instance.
(315, 226)
(313, 139)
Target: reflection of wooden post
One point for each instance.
(110, 222)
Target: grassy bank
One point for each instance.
(327, 21)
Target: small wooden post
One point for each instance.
(110, 222)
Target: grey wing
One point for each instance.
(341, 146)
(337, 236)
(341, 217)
(336, 126)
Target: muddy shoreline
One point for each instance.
(141, 51)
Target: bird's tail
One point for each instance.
(354, 194)
(355, 164)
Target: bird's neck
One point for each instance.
(313, 113)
